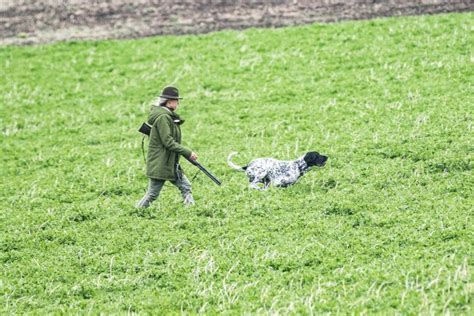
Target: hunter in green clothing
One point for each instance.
(165, 149)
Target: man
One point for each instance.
(165, 149)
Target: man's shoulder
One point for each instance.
(158, 113)
(159, 110)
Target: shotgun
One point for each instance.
(207, 173)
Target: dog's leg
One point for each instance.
(266, 183)
(254, 185)
(285, 180)
(278, 182)
(256, 176)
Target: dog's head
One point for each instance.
(313, 158)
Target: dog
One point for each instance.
(279, 173)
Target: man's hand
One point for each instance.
(193, 156)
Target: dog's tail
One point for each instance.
(233, 165)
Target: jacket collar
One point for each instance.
(167, 109)
(176, 118)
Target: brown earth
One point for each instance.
(40, 21)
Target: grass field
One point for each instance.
(386, 227)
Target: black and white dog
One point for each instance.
(277, 172)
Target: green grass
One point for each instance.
(386, 227)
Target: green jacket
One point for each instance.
(165, 144)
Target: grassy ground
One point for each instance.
(385, 227)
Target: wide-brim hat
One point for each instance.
(170, 93)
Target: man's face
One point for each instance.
(172, 104)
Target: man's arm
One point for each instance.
(164, 131)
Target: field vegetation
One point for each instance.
(386, 227)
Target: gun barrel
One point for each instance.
(207, 173)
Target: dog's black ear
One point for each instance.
(310, 157)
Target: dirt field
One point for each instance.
(40, 21)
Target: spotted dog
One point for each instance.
(280, 173)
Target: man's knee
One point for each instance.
(155, 188)
(183, 184)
